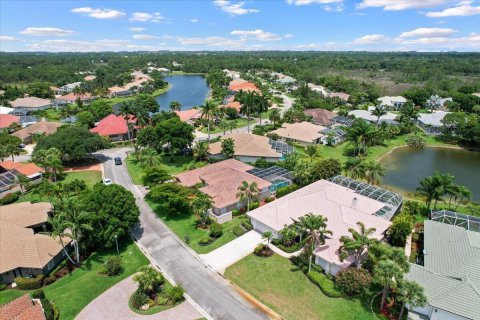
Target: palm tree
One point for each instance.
(444, 183)
(148, 157)
(357, 244)
(76, 220)
(373, 171)
(267, 235)
(311, 151)
(274, 116)
(410, 293)
(378, 112)
(428, 189)
(23, 182)
(58, 228)
(208, 109)
(354, 168)
(175, 106)
(387, 273)
(247, 192)
(12, 150)
(223, 124)
(289, 233)
(315, 227)
(200, 206)
(361, 134)
(39, 157)
(53, 161)
(126, 110)
(200, 151)
(248, 101)
(232, 125)
(434, 102)
(408, 114)
(461, 194)
(262, 105)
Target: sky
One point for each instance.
(323, 25)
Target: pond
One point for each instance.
(405, 167)
(189, 90)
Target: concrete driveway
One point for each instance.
(113, 304)
(223, 257)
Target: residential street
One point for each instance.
(206, 287)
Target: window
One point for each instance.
(50, 265)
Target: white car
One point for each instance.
(107, 181)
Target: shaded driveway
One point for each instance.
(113, 304)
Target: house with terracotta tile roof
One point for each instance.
(342, 207)
(242, 85)
(72, 97)
(42, 128)
(115, 127)
(321, 117)
(189, 116)
(30, 104)
(221, 181)
(30, 170)
(248, 148)
(23, 251)
(128, 89)
(23, 308)
(8, 119)
(90, 78)
(304, 133)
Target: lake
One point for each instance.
(405, 167)
(189, 90)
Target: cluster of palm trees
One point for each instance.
(147, 157)
(50, 160)
(253, 103)
(359, 169)
(364, 135)
(441, 186)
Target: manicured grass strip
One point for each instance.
(185, 226)
(72, 293)
(9, 295)
(281, 286)
(90, 177)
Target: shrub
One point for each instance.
(262, 250)
(269, 199)
(236, 212)
(411, 207)
(49, 280)
(10, 198)
(216, 230)
(149, 280)
(247, 225)
(205, 241)
(112, 266)
(400, 229)
(38, 294)
(50, 309)
(138, 299)
(286, 190)
(353, 281)
(254, 205)
(302, 261)
(3, 286)
(161, 300)
(175, 294)
(327, 286)
(238, 231)
(30, 283)
(415, 140)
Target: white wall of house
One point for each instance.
(330, 268)
(437, 314)
(260, 227)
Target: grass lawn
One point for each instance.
(180, 163)
(280, 285)
(90, 177)
(185, 226)
(9, 295)
(161, 90)
(72, 293)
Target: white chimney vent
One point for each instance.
(354, 202)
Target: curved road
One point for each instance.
(207, 288)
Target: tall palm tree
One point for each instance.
(232, 125)
(408, 114)
(175, 106)
(274, 116)
(373, 171)
(410, 293)
(58, 228)
(126, 110)
(24, 182)
(76, 220)
(315, 228)
(428, 189)
(208, 110)
(200, 151)
(444, 183)
(39, 157)
(248, 192)
(200, 205)
(148, 157)
(311, 151)
(262, 105)
(357, 243)
(378, 112)
(53, 160)
(387, 273)
(361, 134)
(354, 168)
(248, 101)
(461, 194)
(12, 150)
(223, 124)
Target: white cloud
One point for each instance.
(428, 33)
(258, 34)
(64, 45)
(369, 39)
(460, 11)
(472, 41)
(288, 35)
(47, 31)
(10, 38)
(144, 37)
(136, 29)
(100, 13)
(194, 20)
(307, 2)
(213, 41)
(145, 16)
(326, 46)
(395, 5)
(233, 8)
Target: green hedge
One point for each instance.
(238, 231)
(10, 198)
(327, 286)
(294, 248)
(30, 283)
(286, 190)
